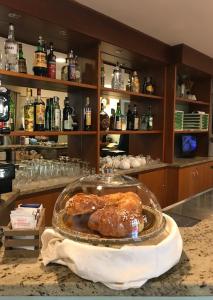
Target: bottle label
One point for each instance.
(51, 70)
(40, 112)
(29, 117)
(71, 72)
(136, 123)
(68, 124)
(40, 60)
(149, 88)
(118, 124)
(22, 66)
(11, 48)
(88, 118)
(57, 118)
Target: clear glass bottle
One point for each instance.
(71, 66)
(51, 63)
(39, 112)
(87, 115)
(40, 62)
(67, 116)
(11, 51)
(22, 67)
(116, 78)
(135, 118)
(57, 114)
(118, 117)
(64, 71)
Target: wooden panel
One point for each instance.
(47, 198)
(172, 186)
(156, 182)
(170, 109)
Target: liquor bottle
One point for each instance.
(135, 118)
(116, 78)
(11, 51)
(29, 112)
(144, 121)
(47, 115)
(148, 87)
(64, 71)
(22, 67)
(51, 63)
(104, 119)
(40, 62)
(67, 116)
(102, 76)
(71, 66)
(112, 120)
(57, 114)
(4, 109)
(129, 117)
(11, 122)
(87, 115)
(118, 117)
(77, 70)
(39, 112)
(149, 118)
(135, 83)
(129, 84)
(75, 123)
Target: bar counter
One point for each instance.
(193, 276)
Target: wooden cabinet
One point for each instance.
(156, 182)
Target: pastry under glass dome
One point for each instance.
(108, 209)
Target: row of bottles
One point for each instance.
(44, 59)
(132, 120)
(134, 82)
(39, 117)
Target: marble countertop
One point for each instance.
(192, 276)
(187, 162)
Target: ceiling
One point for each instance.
(171, 21)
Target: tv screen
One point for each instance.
(189, 144)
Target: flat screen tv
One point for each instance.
(186, 145)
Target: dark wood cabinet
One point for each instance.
(156, 181)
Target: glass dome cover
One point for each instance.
(108, 209)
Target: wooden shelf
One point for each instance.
(129, 94)
(50, 133)
(131, 132)
(191, 131)
(28, 80)
(196, 102)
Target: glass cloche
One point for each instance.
(108, 209)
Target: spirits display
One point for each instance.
(118, 117)
(67, 116)
(87, 115)
(149, 118)
(11, 51)
(104, 119)
(117, 80)
(39, 112)
(51, 63)
(22, 67)
(29, 112)
(135, 83)
(135, 119)
(40, 62)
